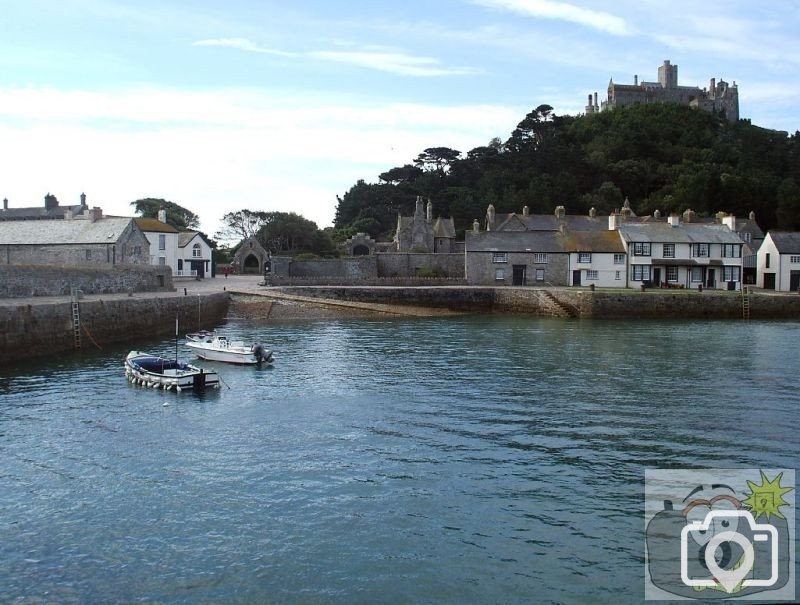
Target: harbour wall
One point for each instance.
(43, 328)
(564, 302)
(21, 281)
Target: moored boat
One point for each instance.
(208, 345)
(168, 374)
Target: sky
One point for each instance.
(283, 106)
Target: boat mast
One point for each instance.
(176, 340)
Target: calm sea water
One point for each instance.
(460, 460)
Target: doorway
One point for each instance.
(769, 281)
(576, 277)
(519, 275)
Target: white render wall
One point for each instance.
(170, 253)
(780, 265)
(607, 271)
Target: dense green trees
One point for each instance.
(177, 216)
(662, 156)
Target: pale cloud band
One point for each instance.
(549, 9)
(378, 59)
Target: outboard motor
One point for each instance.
(261, 353)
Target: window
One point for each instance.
(162, 260)
(592, 274)
(499, 257)
(794, 259)
(617, 274)
(669, 251)
(619, 259)
(697, 274)
(700, 250)
(540, 257)
(746, 236)
(730, 274)
(137, 250)
(162, 241)
(641, 248)
(584, 257)
(196, 251)
(672, 273)
(180, 264)
(89, 255)
(731, 251)
(539, 274)
(499, 275)
(640, 272)
(768, 257)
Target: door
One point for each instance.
(657, 277)
(794, 281)
(197, 265)
(576, 277)
(710, 281)
(519, 275)
(769, 281)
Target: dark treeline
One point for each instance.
(662, 156)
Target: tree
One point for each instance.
(177, 216)
(241, 224)
(437, 159)
(401, 174)
(290, 232)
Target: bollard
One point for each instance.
(591, 287)
(700, 287)
(184, 291)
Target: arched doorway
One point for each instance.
(251, 264)
(360, 250)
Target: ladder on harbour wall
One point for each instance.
(76, 319)
(745, 302)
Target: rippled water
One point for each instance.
(460, 460)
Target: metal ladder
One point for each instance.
(745, 302)
(76, 319)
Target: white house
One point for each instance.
(779, 262)
(194, 255)
(677, 254)
(163, 240)
(596, 258)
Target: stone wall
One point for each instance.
(45, 328)
(463, 299)
(481, 269)
(408, 264)
(374, 281)
(57, 280)
(359, 268)
(354, 267)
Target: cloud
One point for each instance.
(385, 60)
(217, 151)
(243, 44)
(562, 11)
(392, 62)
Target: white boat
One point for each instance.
(208, 345)
(169, 374)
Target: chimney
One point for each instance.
(526, 211)
(162, 215)
(5, 203)
(595, 101)
(95, 214)
(476, 226)
(688, 215)
(50, 202)
(560, 212)
(613, 221)
(752, 215)
(419, 211)
(730, 222)
(490, 217)
(636, 80)
(429, 212)
(592, 212)
(83, 199)
(674, 220)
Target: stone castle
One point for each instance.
(720, 97)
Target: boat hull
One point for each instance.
(219, 348)
(167, 374)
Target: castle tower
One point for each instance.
(668, 75)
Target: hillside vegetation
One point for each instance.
(665, 157)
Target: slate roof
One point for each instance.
(444, 227)
(786, 242)
(689, 233)
(154, 225)
(515, 241)
(38, 213)
(60, 231)
(594, 241)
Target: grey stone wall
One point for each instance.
(35, 330)
(481, 269)
(367, 281)
(404, 264)
(53, 280)
(356, 267)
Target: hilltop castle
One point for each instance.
(720, 97)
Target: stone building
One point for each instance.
(420, 233)
(73, 241)
(720, 97)
(250, 257)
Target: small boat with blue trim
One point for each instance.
(168, 374)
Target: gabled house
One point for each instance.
(596, 258)
(194, 255)
(518, 258)
(73, 241)
(421, 233)
(679, 254)
(779, 262)
(163, 240)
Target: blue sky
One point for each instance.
(269, 105)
